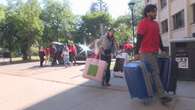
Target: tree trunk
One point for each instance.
(25, 55)
(10, 58)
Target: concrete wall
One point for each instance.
(163, 13)
(177, 5)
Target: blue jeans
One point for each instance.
(66, 60)
(151, 59)
(106, 58)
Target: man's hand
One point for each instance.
(136, 57)
(164, 54)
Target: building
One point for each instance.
(176, 19)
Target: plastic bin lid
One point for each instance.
(185, 39)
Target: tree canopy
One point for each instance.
(31, 23)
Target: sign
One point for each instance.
(183, 62)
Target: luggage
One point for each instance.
(121, 59)
(118, 67)
(119, 64)
(141, 85)
(168, 78)
(164, 71)
(94, 69)
(138, 80)
(172, 82)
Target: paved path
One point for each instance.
(28, 87)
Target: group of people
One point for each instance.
(148, 45)
(69, 55)
(146, 49)
(58, 53)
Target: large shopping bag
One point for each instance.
(94, 69)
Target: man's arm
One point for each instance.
(138, 43)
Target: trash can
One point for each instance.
(183, 52)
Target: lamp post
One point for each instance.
(131, 7)
(101, 3)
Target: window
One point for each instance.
(193, 11)
(178, 20)
(164, 26)
(163, 3)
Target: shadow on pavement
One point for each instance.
(87, 96)
(92, 96)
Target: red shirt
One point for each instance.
(47, 51)
(72, 49)
(150, 31)
(127, 46)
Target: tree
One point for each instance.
(99, 6)
(123, 23)
(31, 26)
(9, 29)
(89, 28)
(58, 21)
(2, 13)
(138, 10)
(122, 28)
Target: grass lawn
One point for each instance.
(15, 60)
(20, 58)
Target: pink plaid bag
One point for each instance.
(94, 69)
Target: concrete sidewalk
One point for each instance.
(29, 87)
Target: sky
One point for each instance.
(80, 7)
(115, 7)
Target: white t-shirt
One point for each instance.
(65, 53)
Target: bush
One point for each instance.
(34, 51)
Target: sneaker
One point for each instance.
(165, 99)
(103, 83)
(108, 84)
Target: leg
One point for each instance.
(151, 59)
(68, 61)
(46, 59)
(74, 59)
(65, 62)
(71, 58)
(107, 76)
(41, 61)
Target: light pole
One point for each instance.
(101, 24)
(131, 7)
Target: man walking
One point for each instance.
(41, 56)
(148, 45)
